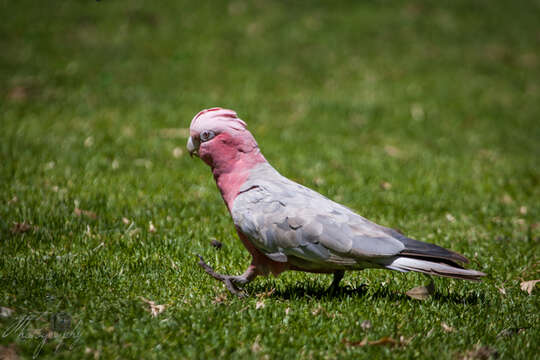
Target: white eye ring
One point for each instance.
(207, 135)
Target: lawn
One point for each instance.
(423, 116)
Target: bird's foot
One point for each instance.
(334, 287)
(231, 282)
(333, 290)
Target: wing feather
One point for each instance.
(283, 217)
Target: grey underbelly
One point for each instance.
(297, 263)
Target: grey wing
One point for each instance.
(289, 222)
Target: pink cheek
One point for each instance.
(205, 153)
(215, 150)
(210, 147)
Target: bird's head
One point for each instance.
(220, 138)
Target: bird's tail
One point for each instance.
(406, 264)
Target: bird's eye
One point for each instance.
(207, 135)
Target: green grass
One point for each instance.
(439, 99)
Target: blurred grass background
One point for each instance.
(421, 115)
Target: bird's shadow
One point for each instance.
(362, 291)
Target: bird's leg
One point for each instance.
(230, 281)
(334, 287)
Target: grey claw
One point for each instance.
(226, 279)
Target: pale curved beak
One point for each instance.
(193, 147)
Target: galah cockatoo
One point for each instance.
(287, 226)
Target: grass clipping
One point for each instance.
(422, 292)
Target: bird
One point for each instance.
(286, 226)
